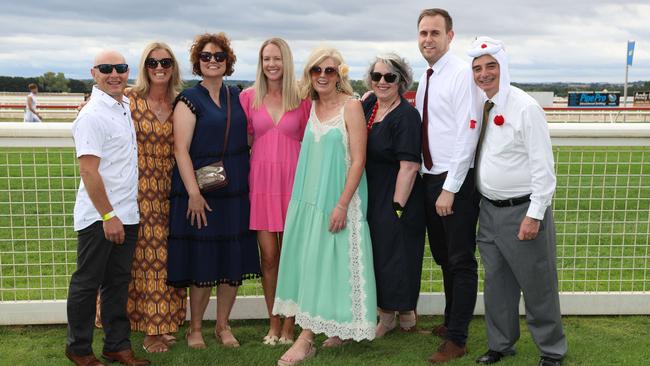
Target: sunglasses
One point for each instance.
(218, 56)
(152, 63)
(389, 77)
(108, 68)
(317, 70)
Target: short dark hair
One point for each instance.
(449, 24)
(218, 39)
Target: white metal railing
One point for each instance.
(601, 207)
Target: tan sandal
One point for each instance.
(168, 339)
(219, 335)
(387, 323)
(408, 321)
(285, 340)
(270, 340)
(194, 344)
(311, 352)
(335, 341)
(156, 346)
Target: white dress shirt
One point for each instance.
(516, 158)
(104, 129)
(451, 142)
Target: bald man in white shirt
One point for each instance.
(516, 235)
(106, 217)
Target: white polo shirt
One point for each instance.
(517, 158)
(104, 129)
(451, 142)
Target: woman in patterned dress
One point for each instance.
(153, 307)
(276, 122)
(326, 277)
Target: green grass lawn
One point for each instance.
(601, 208)
(592, 341)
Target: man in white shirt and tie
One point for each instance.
(516, 235)
(448, 146)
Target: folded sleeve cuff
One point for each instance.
(452, 185)
(536, 211)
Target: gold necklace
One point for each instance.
(390, 107)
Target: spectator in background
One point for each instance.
(31, 110)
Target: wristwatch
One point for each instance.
(399, 210)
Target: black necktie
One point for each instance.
(426, 154)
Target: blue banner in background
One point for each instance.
(630, 52)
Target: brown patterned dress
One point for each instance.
(153, 307)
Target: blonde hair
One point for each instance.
(316, 57)
(290, 92)
(142, 82)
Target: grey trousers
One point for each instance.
(513, 266)
(103, 266)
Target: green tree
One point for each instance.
(54, 82)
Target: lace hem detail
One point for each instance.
(357, 281)
(356, 330)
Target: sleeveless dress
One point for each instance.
(29, 116)
(224, 251)
(326, 280)
(273, 160)
(153, 307)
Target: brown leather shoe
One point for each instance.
(88, 360)
(447, 351)
(440, 330)
(125, 357)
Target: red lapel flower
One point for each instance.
(483, 45)
(499, 120)
(472, 124)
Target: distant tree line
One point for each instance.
(57, 82)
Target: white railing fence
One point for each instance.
(601, 208)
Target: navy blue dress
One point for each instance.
(224, 251)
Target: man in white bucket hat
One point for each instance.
(516, 237)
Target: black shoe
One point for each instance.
(549, 361)
(490, 357)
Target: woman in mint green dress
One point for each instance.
(326, 278)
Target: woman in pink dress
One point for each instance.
(276, 122)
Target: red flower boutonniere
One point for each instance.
(483, 45)
(499, 120)
(472, 124)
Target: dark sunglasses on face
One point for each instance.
(389, 77)
(317, 70)
(218, 56)
(108, 68)
(152, 63)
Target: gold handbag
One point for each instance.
(212, 177)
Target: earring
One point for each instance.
(338, 87)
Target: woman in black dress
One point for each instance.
(395, 192)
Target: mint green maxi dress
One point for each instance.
(326, 280)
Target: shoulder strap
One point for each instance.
(225, 142)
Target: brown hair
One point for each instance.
(218, 39)
(449, 24)
(32, 86)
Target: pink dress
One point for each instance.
(273, 160)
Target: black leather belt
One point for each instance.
(509, 202)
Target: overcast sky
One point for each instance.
(549, 40)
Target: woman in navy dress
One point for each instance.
(209, 240)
